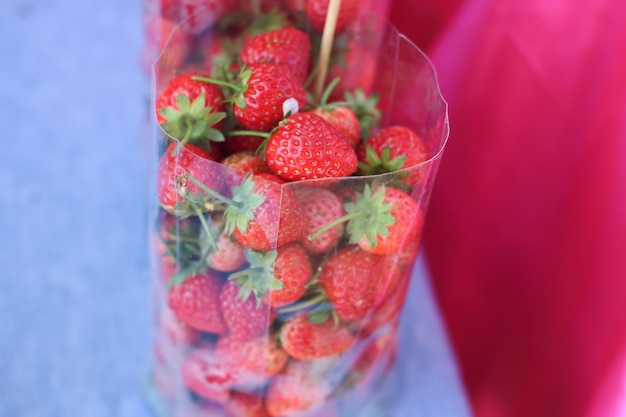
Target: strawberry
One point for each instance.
(406, 226)
(296, 390)
(230, 255)
(191, 110)
(286, 46)
(174, 189)
(277, 278)
(262, 94)
(246, 162)
(196, 302)
(380, 221)
(242, 143)
(320, 207)
(242, 404)
(265, 215)
(387, 312)
(350, 279)
(305, 146)
(356, 67)
(207, 375)
(306, 340)
(257, 359)
(245, 317)
(316, 11)
(199, 15)
(392, 149)
(344, 120)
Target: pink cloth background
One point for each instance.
(526, 231)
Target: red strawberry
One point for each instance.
(305, 340)
(199, 15)
(350, 279)
(263, 93)
(196, 302)
(244, 317)
(207, 375)
(380, 221)
(241, 404)
(296, 390)
(406, 226)
(305, 146)
(256, 360)
(174, 187)
(321, 207)
(276, 278)
(230, 255)
(287, 46)
(270, 216)
(317, 10)
(387, 312)
(356, 69)
(246, 162)
(242, 143)
(344, 120)
(191, 110)
(391, 149)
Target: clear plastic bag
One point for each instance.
(261, 306)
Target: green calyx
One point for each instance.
(238, 210)
(368, 216)
(238, 87)
(375, 164)
(192, 121)
(365, 109)
(258, 279)
(241, 212)
(371, 216)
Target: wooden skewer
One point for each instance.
(328, 36)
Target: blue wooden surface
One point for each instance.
(74, 309)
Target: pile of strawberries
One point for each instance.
(289, 221)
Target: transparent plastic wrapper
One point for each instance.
(276, 295)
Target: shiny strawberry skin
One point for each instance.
(241, 404)
(305, 146)
(407, 227)
(293, 269)
(267, 89)
(344, 120)
(287, 46)
(401, 141)
(350, 279)
(277, 221)
(316, 11)
(245, 319)
(321, 207)
(172, 184)
(195, 302)
(184, 84)
(256, 359)
(306, 341)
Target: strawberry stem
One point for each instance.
(248, 133)
(221, 83)
(185, 139)
(210, 192)
(304, 304)
(206, 227)
(334, 223)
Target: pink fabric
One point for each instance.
(526, 231)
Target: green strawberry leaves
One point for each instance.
(380, 164)
(192, 121)
(241, 212)
(365, 109)
(370, 216)
(258, 278)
